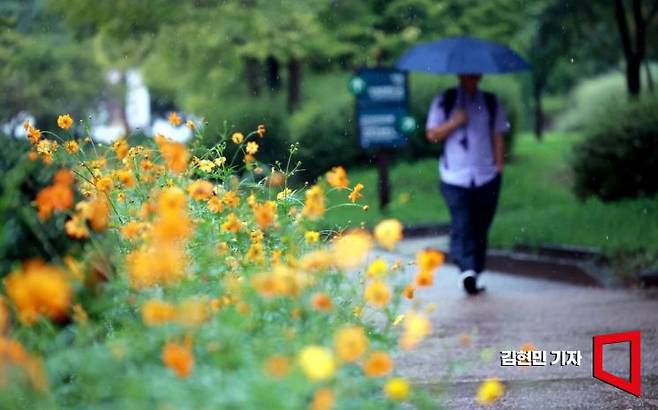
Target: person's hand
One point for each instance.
(459, 117)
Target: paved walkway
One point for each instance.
(518, 310)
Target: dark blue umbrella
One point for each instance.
(461, 55)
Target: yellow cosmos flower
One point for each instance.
(237, 137)
(377, 268)
(377, 294)
(490, 391)
(312, 236)
(349, 250)
(416, 327)
(355, 195)
(206, 165)
(64, 121)
(251, 148)
(350, 343)
(314, 204)
(388, 233)
(71, 146)
(317, 363)
(397, 389)
(157, 312)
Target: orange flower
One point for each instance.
(38, 289)
(337, 178)
(350, 343)
(57, 197)
(350, 249)
(231, 199)
(179, 358)
(215, 205)
(121, 148)
(76, 227)
(260, 130)
(314, 205)
(132, 229)
(377, 294)
(71, 146)
(265, 213)
(429, 259)
(200, 190)
(33, 134)
(424, 278)
(4, 316)
(174, 119)
(174, 153)
(408, 291)
(323, 399)
(104, 184)
(126, 177)
(277, 366)
(64, 121)
(321, 301)
(355, 195)
(232, 224)
(161, 264)
(156, 312)
(378, 364)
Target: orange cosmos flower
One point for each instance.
(231, 199)
(321, 301)
(57, 197)
(377, 294)
(424, 278)
(232, 224)
(378, 364)
(350, 343)
(429, 259)
(277, 366)
(200, 190)
(174, 119)
(408, 291)
(355, 195)
(104, 184)
(76, 227)
(215, 205)
(126, 177)
(64, 121)
(314, 205)
(71, 146)
(157, 312)
(337, 178)
(265, 213)
(174, 153)
(323, 399)
(121, 148)
(38, 289)
(178, 358)
(132, 229)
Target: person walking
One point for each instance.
(471, 124)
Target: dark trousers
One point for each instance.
(471, 213)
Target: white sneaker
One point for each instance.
(468, 281)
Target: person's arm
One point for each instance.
(443, 130)
(499, 151)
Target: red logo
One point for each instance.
(632, 385)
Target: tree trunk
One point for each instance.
(647, 67)
(252, 76)
(633, 65)
(294, 84)
(272, 75)
(634, 48)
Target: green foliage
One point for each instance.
(619, 158)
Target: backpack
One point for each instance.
(450, 98)
(448, 103)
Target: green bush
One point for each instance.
(619, 157)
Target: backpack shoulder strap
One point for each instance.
(448, 101)
(492, 108)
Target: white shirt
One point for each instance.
(468, 156)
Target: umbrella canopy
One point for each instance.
(461, 55)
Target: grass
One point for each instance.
(536, 204)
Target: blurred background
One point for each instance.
(583, 150)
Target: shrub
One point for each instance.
(619, 156)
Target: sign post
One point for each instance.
(382, 117)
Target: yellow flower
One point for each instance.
(349, 250)
(350, 343)
(174, 119)
(157, 312)
(337, 178)
(64, 121)
(71, 146)
(206, 165)
(38, 289)
(200, 190)
(377, 294)
(283, 194)
(317, 363)
(104, 184)
(490, 391)
(190, 124)
(252, 148)
(237, 137)
(126, 177)
(416, 327)
(277, 366)
(378, 364)
(232, 224)
(397, 388)
(312, 236)
(355, 195)
(220, 161)
(121, 148)
(388, 232)
(377, 268)
(179, 358)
